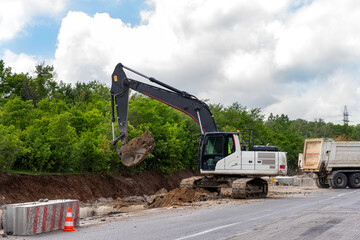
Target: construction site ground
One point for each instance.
(105, 198)
(104, 210)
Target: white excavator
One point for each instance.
(225, 159)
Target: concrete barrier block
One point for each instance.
(284, 180)
(37, 217)
(303, 182)
(297, 181)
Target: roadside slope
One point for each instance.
(16, 188)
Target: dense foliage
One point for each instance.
(50, 126)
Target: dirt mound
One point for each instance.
(137, 149)
(342, 137)
(85, 187)
(180, 196)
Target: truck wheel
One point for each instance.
(354, 180)
(338, 180)
(320, 183)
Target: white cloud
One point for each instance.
(20, 63)
(23, 63)
(294, 57)
(323, 34)
(16, 14)
(320, 98)
(178, 41)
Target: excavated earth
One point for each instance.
(343, 137)
(182, 196)
(15, 188)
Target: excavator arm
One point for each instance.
(180, 100)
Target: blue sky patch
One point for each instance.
(40, 37)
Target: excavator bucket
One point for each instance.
(137, 149)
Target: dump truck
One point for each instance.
(333, 163)
(226, 159)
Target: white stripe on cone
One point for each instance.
(69, 224)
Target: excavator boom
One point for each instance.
(131, 153)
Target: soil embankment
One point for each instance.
(16, 188)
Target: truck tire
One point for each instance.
(354, 180)
(320, 183)
(338, 180)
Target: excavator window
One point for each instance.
(214, 145)
(213, 151)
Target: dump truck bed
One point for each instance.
(330, 154)
(344, 155)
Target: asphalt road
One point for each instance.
(332, 214)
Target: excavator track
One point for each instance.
(189, 182)
(249, 188)
(241, 187)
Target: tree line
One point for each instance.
(51, 126)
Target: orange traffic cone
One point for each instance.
(69, 224)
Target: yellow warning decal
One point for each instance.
(115, 78)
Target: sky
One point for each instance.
(293, 57)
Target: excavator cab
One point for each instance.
(215, 147)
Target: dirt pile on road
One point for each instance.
(16, 188)
(342, 138)
(181, 196)
(137, 149)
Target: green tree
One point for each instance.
(37, 156)
(61, 137)
(17, 113)
(92, 153)
(10, 147)
(43, 85)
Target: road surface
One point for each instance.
(330, 214)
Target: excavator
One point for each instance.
(225, 159)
